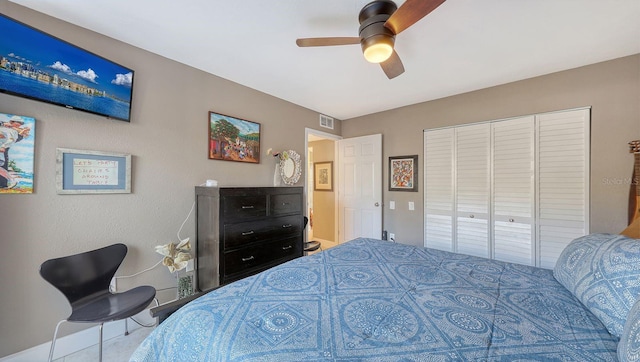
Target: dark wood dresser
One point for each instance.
(242, 231)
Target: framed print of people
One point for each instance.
(17, 139)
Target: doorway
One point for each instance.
(321, 205)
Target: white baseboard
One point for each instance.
(78, 341)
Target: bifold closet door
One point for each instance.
(513, 183)
(457, 187)
(514, 190)
(563, 181)
(439, 188)
(472, 175)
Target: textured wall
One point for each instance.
(168, 140)
(611, 88)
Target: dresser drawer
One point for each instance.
(287, 248)
(238, 234)
(282, 204)
(243, 259)
(255, 257)
(243, 207)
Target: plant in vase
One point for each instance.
(176, 258)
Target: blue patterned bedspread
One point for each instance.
(379, 301)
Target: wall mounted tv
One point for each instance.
(39, 66)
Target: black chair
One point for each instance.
(312, 245)
(84, 280)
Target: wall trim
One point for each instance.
(330, 137)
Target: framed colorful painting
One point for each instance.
(233, 139)
(403, 173)
(17, 140)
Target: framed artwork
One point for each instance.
(92, 172)
(403, 173)
(17, 140)
(233, 139)
(323, 176)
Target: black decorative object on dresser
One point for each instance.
(244, 230)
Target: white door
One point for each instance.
(513, 190)
(563, 187)
(360, 187)
(535, 173)
(472, 189)
(439, 162)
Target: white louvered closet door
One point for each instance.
(472, 189)
(563, 181)
(513, 190)
(438, 195)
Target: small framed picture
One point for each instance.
(17, 141)
(403, 173)
(233, 139)
(323, 176)
(92, 172)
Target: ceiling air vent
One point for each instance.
(326, 121)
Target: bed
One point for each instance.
(373, 300)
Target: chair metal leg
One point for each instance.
(126, 327)
(53, 341)
(156, 319)
(100, 344)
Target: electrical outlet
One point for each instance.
(392, 205)
(392, 236)
(412, 206)
(113, 286)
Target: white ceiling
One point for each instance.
(462, 46)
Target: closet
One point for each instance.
(513, 190)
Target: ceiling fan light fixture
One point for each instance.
(377, 49)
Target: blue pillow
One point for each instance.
(629, 345)
(603, 272)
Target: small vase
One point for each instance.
(277, 180)
(185, 284)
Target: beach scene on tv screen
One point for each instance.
(36, 65)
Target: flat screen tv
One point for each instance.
(39, 66)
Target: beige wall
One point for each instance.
(611, 88)
(168, 140)
(324, 205)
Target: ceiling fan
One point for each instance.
(380, 22)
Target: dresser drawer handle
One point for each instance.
(285, 203)
(286, 226)
(287, 247)
(247, 206)
(248, 233)
(249, 258)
